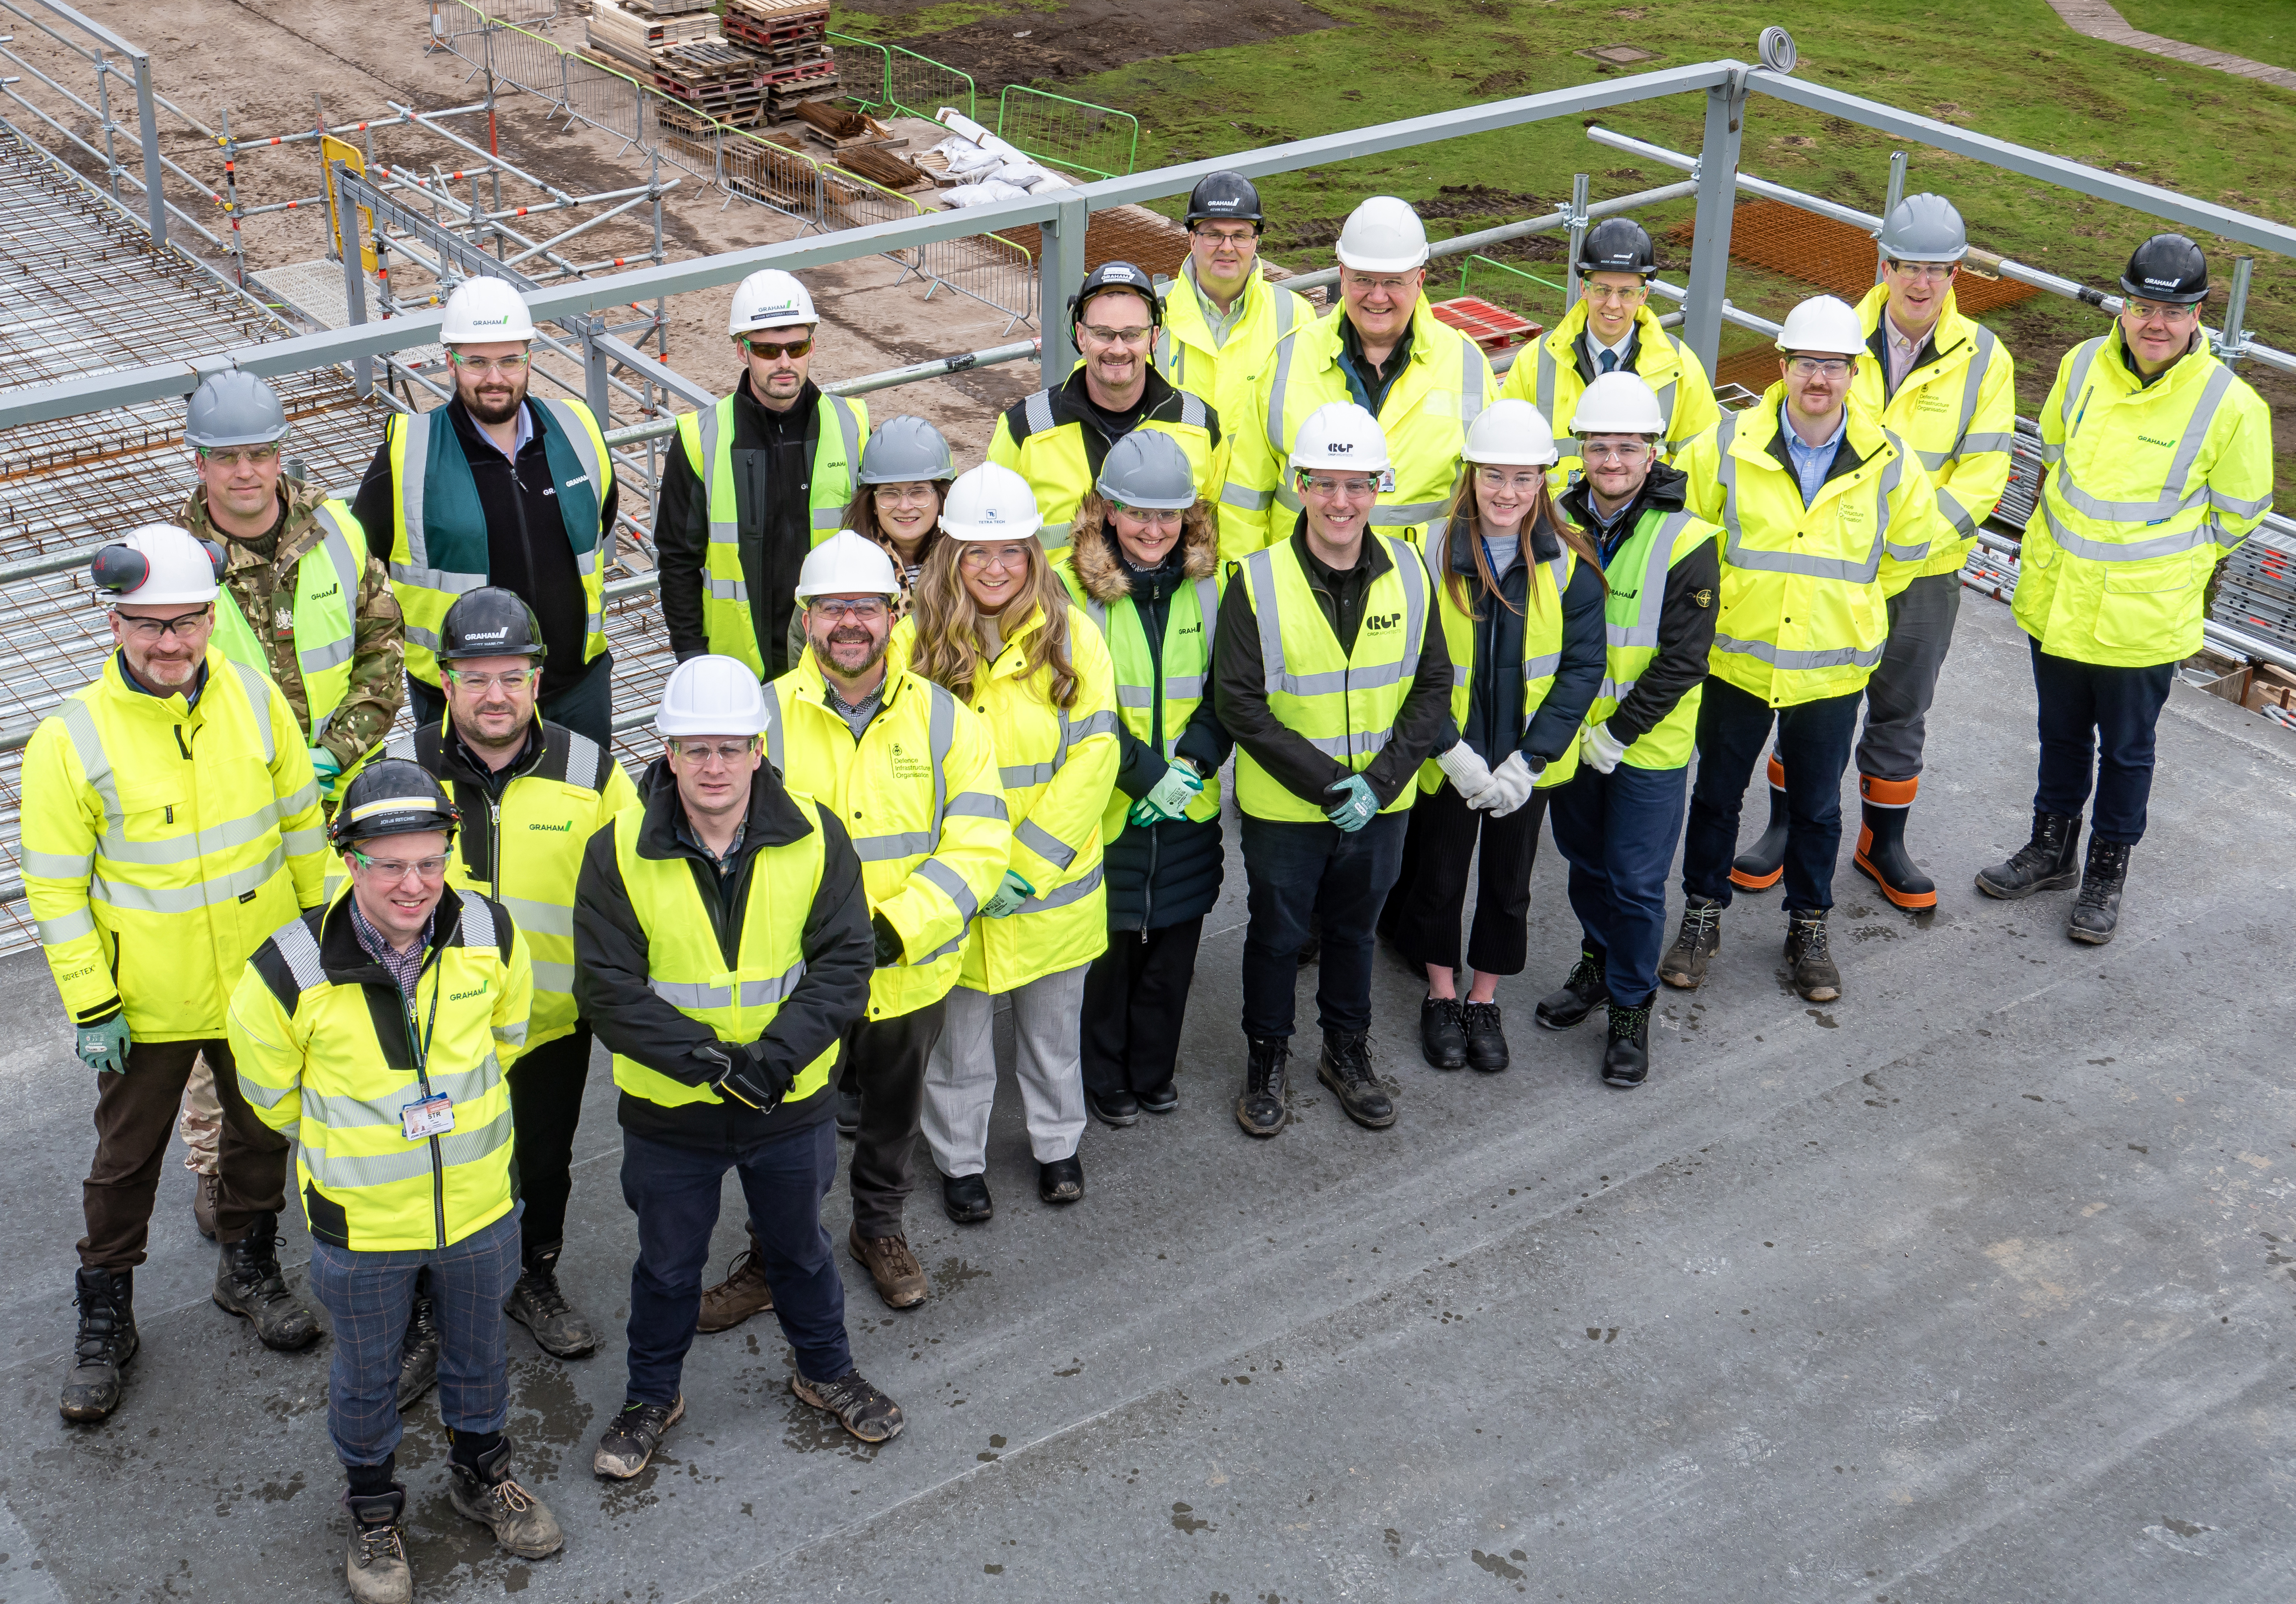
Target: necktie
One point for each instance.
(1609, 362)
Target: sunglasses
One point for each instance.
(769, 349)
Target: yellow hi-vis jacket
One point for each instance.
(162, 841)
(2149, 487)
(1344, 706)
(1446, 383)
(1956, 410)
(1051, 439)
(1224, 373)
(920, 795)
(523, 846)
(330, 1050)
(1804, 610)
(1553, 374)
(708, 438)
(1633, 608)
(1542, 643)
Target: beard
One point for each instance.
(827, 651)
(486, 410)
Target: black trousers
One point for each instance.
(546, 1105)
(1136, 997)
(886, 1059)
(586, 706)
(135, 1117)
(2097, 725)
(1430, 893)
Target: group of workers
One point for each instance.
(937, 738)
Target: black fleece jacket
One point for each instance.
(1686, 621)
(1495, 726)
(609, 964)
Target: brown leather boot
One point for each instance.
(900, 1279)
(741, 1294)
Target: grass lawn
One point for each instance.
(2262, 30)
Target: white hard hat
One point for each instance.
(711, 695)
(157, 565)
(991, 502)
(1339, 435)
(769, 298)
(849, 563)
(1619, 403)
(1823, 323)
(1511, 430)
(483, 310)
(1383, 235)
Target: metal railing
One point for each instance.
(1073, 134)
(917, 86)
(96, 46)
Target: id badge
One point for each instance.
(433, 1116)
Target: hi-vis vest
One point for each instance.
(708, 438)
(1541, 645)
(1636, 577)
(2148, 488)
(1055, 459)
(1550, 380)
(326, 591)
(1344, 707)
(1189, 619)
(439, 532)
(687, 969)
(1223, 373)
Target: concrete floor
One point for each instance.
(1974, 1286)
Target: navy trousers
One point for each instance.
(1617, 831)
(1298, 868)
(2096, 725)
(1814, 741)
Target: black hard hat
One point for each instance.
(392, 796)
(1617, 245)
(1224, 196)
(2166, 268)
(488, 623)
(1117, 275)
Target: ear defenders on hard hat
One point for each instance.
(119, 568)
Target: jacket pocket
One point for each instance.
(2146, 608)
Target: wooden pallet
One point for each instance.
(775, 37)
(777, 13)
(642, 32)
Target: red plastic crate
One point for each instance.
(1492, 327)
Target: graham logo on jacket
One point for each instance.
(332, 590)
(2163, 444)
(565, 829)
(909, 765)
(466, 996)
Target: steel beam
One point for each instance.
(147, 128)
(1716, 173)
(1060, 274)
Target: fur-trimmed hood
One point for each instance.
(1102, 573)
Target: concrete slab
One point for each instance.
(1974, 1285)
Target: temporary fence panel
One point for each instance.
(869, 88)
(918, 85)
(1074, 133)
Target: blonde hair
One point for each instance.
(949, 647)
(1546, 509)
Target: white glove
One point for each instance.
(1510, 786)
(1465, 769)
(1598, 751)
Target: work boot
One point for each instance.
(203, 1205)
(1442, 1038)
(375, 1561)
(418, 1352)
(965, 1198)
(484, 1490)
(1345, 1067)
(1062, 1181)
(1698, 940)
(1259, 1109)
(248, 1283)
(1116, 1109)
(1583, 990)
(629, 1443)
(1764, 863)
(741, 1294)
(2043, 863)
(1815, 976)
(899, 1278)
(536, 1303)
(860, 1408)
(105, 1343)
(1161, 1100)
(1486, 1048)
(1882, 853)
(1626, 1056)
(2097, 909)
(848, 1106)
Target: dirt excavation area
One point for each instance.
(1030, 41)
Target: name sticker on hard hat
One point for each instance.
(432, 1116)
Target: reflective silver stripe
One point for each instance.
(2238, 507)
(940, 734)
(539, 918)
(950, 884)
(56, 865)
(1045, 843)
(551, 977)
(1736, 554)
(436, 579)
(1233, 494)
(1979, 362)
(1261, 566)
(1061, 896)
(1103, 723)
(344, 1172)
(1275, 404)
(1931, 461)
(1892, 476)
(1616, 690)
(2172, 500)
(601, 474)
(514, 1036)
(1401, 515)
(828, 518)
(1021, 776)
(848, 427)
(975, 804)
(1649, 599)
(1471, 371)
(186, 899)
(294, 942)
(303, 843)
(1184, 687)
(1978, 444)
(190, 847)
(1286, 497)
(1844, 657)
(725, 590)
(774, 732)
(1344, 747)
(2077, 381)
(1666, 392)
(414, 466)
(1538, 667)
(258, 705)
(707, 425)
(1038, 412)
(343, 1113)
(66, 927)
(478, 923)
(335, 542)
(1547, 383)
(1949, 507)
(883, 848)
(2203, 533)
(1287, 307)
(401, 747)
(1134, 696)
(698, 997)
(1192, 409)
(1165, 346)
(300, 798)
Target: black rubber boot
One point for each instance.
(1882, 856)
(1582, 993)
(1815, 976)
(106, 1341)
(1259, 1108)
(249, 1284)
(1345, 1069)
(1442, 1038)
(2043, 863)
(1699, 939)
(1626, 1056)
(1764, 863)
(2097, 909)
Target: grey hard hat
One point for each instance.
(1147, 468)
(233, 408)
(1924, 228)
(902, 451)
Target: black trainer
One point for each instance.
(1259, 1107)
(2046, 863)
(418, 1355)
(860, 1407)
(1346, 1069)
(249, 1284)
(106, 1341)
(1442, 1038)
(2097, 909)
(1486, 1046)
(537, 1303)
(1625, 1055)
(629, 1443)
(1583, 992)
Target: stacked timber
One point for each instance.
(792, 37)
(684, 55)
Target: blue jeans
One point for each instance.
(1298, 868)
(1813, 740)
(673, 1193)
(367, 1297)
(1617, 831)
(2098, 720)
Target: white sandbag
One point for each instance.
(1050, 181)
(1026, 174)
(981, 193)
(972, 160)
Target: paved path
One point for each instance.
(2099, 20)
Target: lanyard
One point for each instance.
(421, 1043)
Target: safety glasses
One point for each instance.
(772, 348)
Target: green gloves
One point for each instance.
(1356, 807)
(104, 1048)
(326, 765)
(1169, 796)
(1008, 897)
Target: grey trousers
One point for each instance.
(1905, 682)
(1048, 1061)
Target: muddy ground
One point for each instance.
(1048, 45)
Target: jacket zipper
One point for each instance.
(422, 1078)
(494, 839)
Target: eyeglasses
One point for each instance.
(1355, 490)
(394, 870)
(769, 349)
(1496, 479)
(1924, 270)
(505, 365)
(865, 609)
(512, 679)
(701, 752)
(1632, 451)
(1161, 516)
(1810, 367)
(906, 496)
(977, 557)
(148, 630)
(243, 456)
(1611, 295)
(1108, 336)
(1390, 282)
(1225, 236)
(2155, 312)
